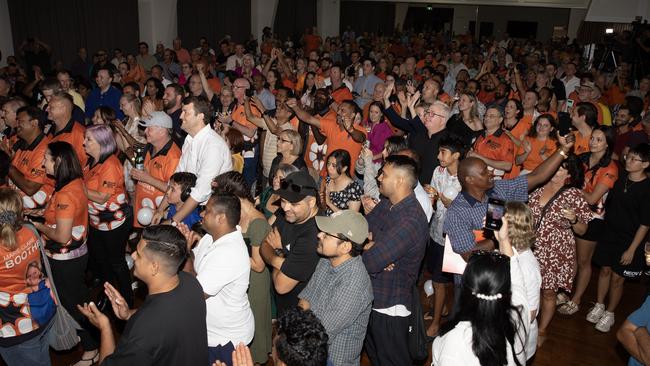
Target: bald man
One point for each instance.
(465, 216)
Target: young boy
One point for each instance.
(445, 186)
(178, 191)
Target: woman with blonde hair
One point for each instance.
(24, 341)
(466, 124)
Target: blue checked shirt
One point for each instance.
(466, 214)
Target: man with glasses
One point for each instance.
(291, 247)
(423, 135)
(169, 328)
(339, 292)
(494, 146)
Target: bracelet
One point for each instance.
(573, 222)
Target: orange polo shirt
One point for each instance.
(107, 177)
(606, 176)
(534, 159)
(161, 166)
(338, 138)
(29, 161)
(581, 145)
(73, 133)
(341, 94)
(496, 146)
(69, 202)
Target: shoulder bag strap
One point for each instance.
(46, 262)
(548, 205)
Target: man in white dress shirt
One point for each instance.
(204, 153)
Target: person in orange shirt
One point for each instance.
(538, 145)
(344, 132)
(377, 97)
(160, 161)
(65, 129)
(494, 147)
(182, 54)
(64, 231)
(109, 212)
(311, 40)
(339, 90)
(26, 172)
(136, 71)
(8, 115)
(584, 119)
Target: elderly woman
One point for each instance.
(110, 221)
(65, 230)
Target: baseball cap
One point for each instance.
(347, 223)
(297, 186)
(158, 119)
(586, 84)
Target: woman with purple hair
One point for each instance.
(108, 210)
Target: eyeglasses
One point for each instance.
(632, 158)
(432, 113)
(294, 187)
(287, 141)
(339, 236)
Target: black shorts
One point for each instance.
(435, 254)
(596, 230)
(608, 254)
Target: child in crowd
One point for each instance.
(180, 185)
(235, 140)
(444, 187)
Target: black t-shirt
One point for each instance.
(626, 209)
(168, 329)
(299, 243)
(558, 89)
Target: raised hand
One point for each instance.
(120, 306)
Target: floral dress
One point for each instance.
(340, 199)
(555, 246)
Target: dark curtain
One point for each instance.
(293, 17)
(67, 25)
(368, 16)
(213, 19)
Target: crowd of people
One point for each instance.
(313, 185)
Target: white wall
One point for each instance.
(401, 9)
(328, 17)
(157, 22)
(576, 17)
(618, 11)
(262, 15)
(6, 40)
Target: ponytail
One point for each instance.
(11, 207)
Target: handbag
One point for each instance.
(63, 334)
(417, 329)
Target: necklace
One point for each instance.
(629, 183)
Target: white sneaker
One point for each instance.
(596, 313)
(606, 321)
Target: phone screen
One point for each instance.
(494, 215)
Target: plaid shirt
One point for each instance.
(341, 298)
(401, 233)
(466, 214)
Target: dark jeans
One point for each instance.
(387, 340)
(221, 353)
(69, 281)
(107, 250)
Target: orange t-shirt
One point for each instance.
(161, 166)
(581, 145)
(606, 176)
(338, 138)
(69, 202)
(73, 133)
(534, 159)
(239, 116)
(312, 42)
(496, 146)
(215, 85)
(316, 154)
(107, 177)
(15, 269)
(29, 161)
(341, 94)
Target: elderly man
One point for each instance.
(291, 248)
(63, 76)
(104, 95)
(160, 161)
(66, 129)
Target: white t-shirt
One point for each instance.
(533, 282)
(423, 199)
(449, 186)
(455, 347)
(223, 269)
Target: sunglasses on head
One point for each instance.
(285, 185)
